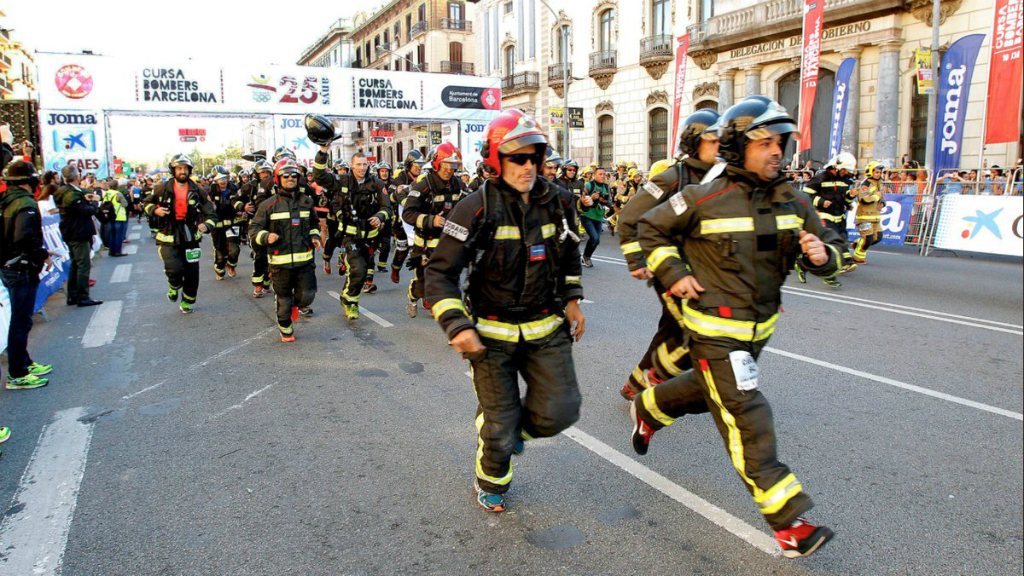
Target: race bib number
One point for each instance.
(678, 204)
(744, 368)
(192, 256)
(452, 229)
(231, 232)
(865, 226)
(654, 190)
(414, 194)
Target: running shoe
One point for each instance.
(846, 269)
(410, 309)
(642, 433)
(327, 267)
(488, 501)
(833, 283)
(802, 538)
(351, 311)
(5, 434)
(257, 291)
(231, 271)
(26, 382)
(628, 392)
(801, 275)
(295, 313)
(37, 369)
(186, 308)
(172, 294)
(287, 337)
(307, 311)
(369, 288)
(395, 275)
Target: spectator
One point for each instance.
(119, 221)
(77, 208)
(45, 199)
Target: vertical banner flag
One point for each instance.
(682, 47)
(840, 97)
(954, 91)
(814, 17)
(1005, 72)
(923, 64)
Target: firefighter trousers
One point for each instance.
(332, 239)
(359, 262)
(401, 246)
(870, 234)
(840, 228)
(260, 267)
(551, 404)
(724, 382)
(419, 265)
(666, 353)
(181, 274)
(292, 287)
(225, 250)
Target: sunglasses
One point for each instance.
(283, 176)
(521, 159)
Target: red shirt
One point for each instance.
(180, 200)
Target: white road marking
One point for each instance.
(204, 363)
(720, 517)
(609, 260)
(843, 298)
(585, 301)
(137, 227)
(365, 312)
(709, 511)
(133, 236)
(33, 539)
(102, 326)
(130, 249)
(239, 405)
(898, 384)
(121, 273)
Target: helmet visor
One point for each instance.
(511, 146)
(780, 128)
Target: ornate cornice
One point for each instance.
(657, 97)
(704, 59)
(605, 106)
(705, 89)
(922, 9)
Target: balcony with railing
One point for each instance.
(773, 19)
(656, 54)
(520, 83)
(603, 66)
(380, 51)
(557, 77)
(5, 86)
(418, 28)
(5, 62)
(450, 67)
(456, 25)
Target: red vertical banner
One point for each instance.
(682, 47)
(1005, 73)
(814, 17)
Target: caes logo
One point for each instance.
(73, 81)
(982, 221)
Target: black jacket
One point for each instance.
(430, 197)
(22, 247)
(184, 232)
(76, 213)
(832, 188)
(353, 203)
(292, 217)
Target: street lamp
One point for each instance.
(565, 82)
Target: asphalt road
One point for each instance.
(201, 444)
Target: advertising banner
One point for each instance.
(923, 64)
(73, 137)
(472, 140)
(682, 47)
(989, 224)
(954, 92)
(290, 131)
(840, 97)
(814, 16)
(51, 281)
(895, 219)
(1005, 72)
(575, 118)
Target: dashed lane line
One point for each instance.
(239, 405)
(133, 236)
(33, 538)
(898, 384)
(122, 273)
(130, 249)
(365, 312)
(102, 326)
(136, 226)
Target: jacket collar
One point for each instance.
(541, 193)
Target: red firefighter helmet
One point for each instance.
(285, 166)
(444, 153)
(510, 131)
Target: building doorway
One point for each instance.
(789, 97)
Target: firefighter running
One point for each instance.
(726, 247)
(869, 212)
(830, 192)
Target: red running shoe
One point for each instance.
(288, 338)
(802, 538)
(627, 391)
(295, 313)
(327, 267)
(642, 433)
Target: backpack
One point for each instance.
(106, 212)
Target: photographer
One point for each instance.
(77, 208)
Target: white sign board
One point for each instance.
(989, 224)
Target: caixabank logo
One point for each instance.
(73, 81)
(470, 97)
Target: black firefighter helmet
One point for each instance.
(319, 129)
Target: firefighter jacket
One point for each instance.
(171, 231)
(227, 204)
(402, 184)
(654, 192)
(829, 187)
(739, 237)
(574, 185)
(869, 201)
(429, 197)
(523, 260)
(476, 183)
(255, 192)
(21, 248)
(290, 215)
(354, 203)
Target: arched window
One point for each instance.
(706, 105)
(606, 141)
(821, 124)
(918, 123)
(399, 154)
(657, 135)
(510, 60)
(660, 18)
(607, 35)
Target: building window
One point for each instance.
(421, 56)
(562, 48)
(660, 17)
(398, 34)
(358, 57)
(386, 37)
(706, 105)
(606, 141)
(707, 10)
(918, 123)
(455, 51)
(408, 25)
(657, 135)
(510, 60)
(607, 38)
(508, 7)
(398, 153)
(421, 12)
(455, 11)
